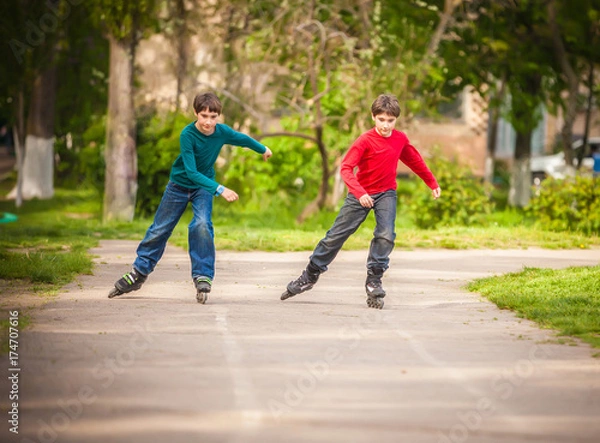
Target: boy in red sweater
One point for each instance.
(375, 154)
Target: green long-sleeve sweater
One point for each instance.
(194, 167)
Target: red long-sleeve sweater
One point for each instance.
(377, 159)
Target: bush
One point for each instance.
(157, 149)
(464, 200)
(292, 174)
(293, 169)
(572, 204)
(82, 164)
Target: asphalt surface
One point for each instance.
(437, 364)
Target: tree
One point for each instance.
(328, 61)
(50, 86)
(309, 50)
(30, 71)
(506, 44)
(575, 35)
(38, 163)
(410, 33)
(176, 27)
(124, 23)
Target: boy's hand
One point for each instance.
(267, 154)
(229, 195)
(436, 193)
(366, 201)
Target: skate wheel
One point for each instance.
(201, 297)
(114, 292)
(286, 295)
(376, 303)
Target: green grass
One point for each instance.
(41, 266)
(241, 238)
(567, 300)
(48, 244)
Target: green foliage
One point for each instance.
(404, 31)
(157, 149)
(124, 19)
(82, 164)
(82, 63)
(407, 189)
(480, 56)
(464, 200)
(293, 170)
(501, 186)
(572, 204)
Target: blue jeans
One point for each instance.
(348, 221)
(201, 238)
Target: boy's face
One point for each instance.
(384, 124)
(207, 121)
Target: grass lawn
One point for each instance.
(567, 300)
(47, 248)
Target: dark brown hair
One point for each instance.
(386, 104)
(209, 101)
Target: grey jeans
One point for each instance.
(351, 216)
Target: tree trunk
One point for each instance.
(19, 140)
(520, 180)
(180, 43)
(585, 149)
(36, 176)
(339, 186)
(324, 188)
(494, 118)
(321, 200)
(572, 81)
(120, 154)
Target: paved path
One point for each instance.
(438, 364)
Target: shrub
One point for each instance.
(571, 204)
(464, 199)
(82, 164)
(292, 174)
(157, 149)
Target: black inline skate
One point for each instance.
(305, 282)
(203, 287)
(132, 281)
(375, 291)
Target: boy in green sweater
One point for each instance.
(191, 181)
